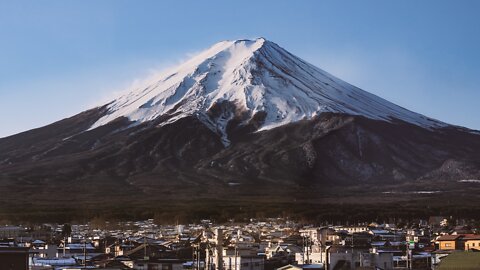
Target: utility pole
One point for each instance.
(320, 244)
(303, 249)
(210, 253)
(84, 252)
(194, 257)
(207, 258)
(409, 263)
(236, 255)
(144, 247)
(308, 255)
(198, 257)
(353, 243)
(219, 250)
(207, 255)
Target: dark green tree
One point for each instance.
(66, 230)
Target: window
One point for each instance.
(473, 244)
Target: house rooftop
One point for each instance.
(472, 237)
(459, 236)
(448, 237)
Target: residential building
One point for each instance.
(448, 242)
(472, 242)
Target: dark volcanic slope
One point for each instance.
(307, 161)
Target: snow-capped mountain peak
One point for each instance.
(249, 77)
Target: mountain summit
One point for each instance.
(250, 79)
(243, 124)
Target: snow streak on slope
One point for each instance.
(255, 76)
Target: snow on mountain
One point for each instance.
(255, 76)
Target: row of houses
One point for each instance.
(266, 245)
(468, 242)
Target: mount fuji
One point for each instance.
(249, 78)
(243, 121)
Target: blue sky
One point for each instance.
(58, 58)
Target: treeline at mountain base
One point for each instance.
(239, 211)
